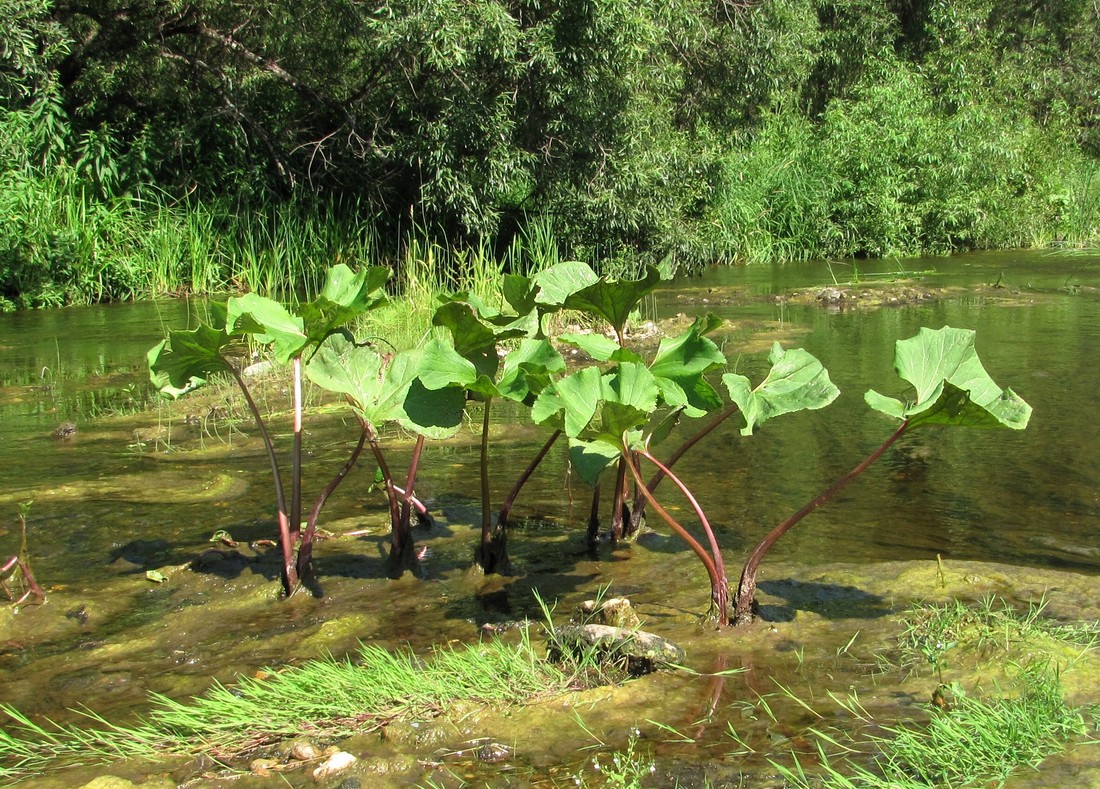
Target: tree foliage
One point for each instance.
(615, 120)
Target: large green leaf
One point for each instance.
(797, 381)
(599, 347)
(681, 363)
(520, 293)
(943, 365)
(571, 402)
(590, 458)
(633, 385)
(384, 388)
(527, 368)
(599, 406)
(558, 282)
(444, 366)
(346, 295)
(185, 359)
(433, 413)
(374, 383)
(614, 300)
(269, 322)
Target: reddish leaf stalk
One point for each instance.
(717, 584)
(509, 502)
(407, 494)
(305, 552)
(290, 572)
(746, 589)
(716, 552)
(639, 501)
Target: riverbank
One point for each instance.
(792, 191)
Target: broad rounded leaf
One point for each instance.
(590, 458)
(571, 402)
(598, 346)
(384, 388)
(346, 295)
(433, 414)
(270, 322)
(444, 366)
(681, 363)
(558, 282)
(519, 292)
(943, 366)
(527, 368)
(614, 300)
(375, 384)
(184, 360)
(797, 381)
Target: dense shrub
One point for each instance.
(700, 129)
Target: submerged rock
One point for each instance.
(303, 750)
(263, 767)
(493, 752)
(338, 762)
(109, 782)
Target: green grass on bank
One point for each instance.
(884, 174)
(967, 736)
(330, 698)
(968, 741)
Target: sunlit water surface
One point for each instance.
(134, 490)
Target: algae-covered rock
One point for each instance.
(108, 782)
(614, 611)
(644, 652)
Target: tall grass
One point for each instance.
(889, 170)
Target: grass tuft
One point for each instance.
(968, 741)
(329, 699)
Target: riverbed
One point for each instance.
(135, 487)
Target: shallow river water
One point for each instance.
(140, 487)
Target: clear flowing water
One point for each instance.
(133, 490)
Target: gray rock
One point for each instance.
(644, 652)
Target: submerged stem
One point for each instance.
(286, 541)
(399, 538)
(746, 589)
(492, 554)
(717, 583)
(618, 501)
(305, 553)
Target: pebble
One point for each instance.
(262, 767)
(304, 751)
(341, 760)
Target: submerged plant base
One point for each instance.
(826, 632)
